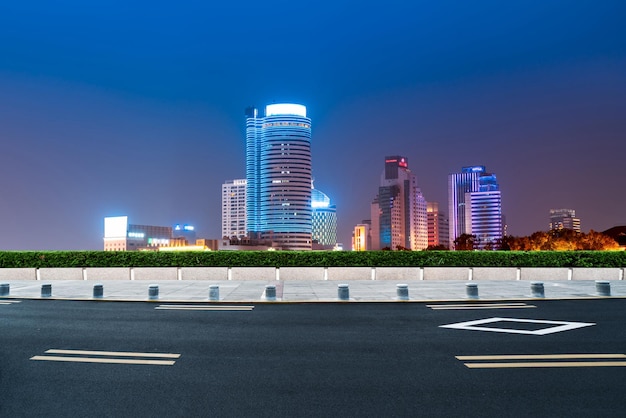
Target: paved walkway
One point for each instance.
(304, 291)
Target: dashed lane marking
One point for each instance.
(9, 302)
(205, 307)
(110, 357)
(481, 306)
(476, 362)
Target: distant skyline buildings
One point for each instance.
(564, 219)
(475, 206)
(324, 219)
(119, 235)
(279, 175)
(398, 212)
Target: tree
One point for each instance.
(466, 242)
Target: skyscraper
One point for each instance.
(564, 219)
(234, 209)
(278, 175)
(475, 206)
(399, 217)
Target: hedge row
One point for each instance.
(37, 259)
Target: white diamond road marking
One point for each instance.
(557, 326)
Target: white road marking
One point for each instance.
(557, 326)
(205, 307)
(9, 302)
(481, 306)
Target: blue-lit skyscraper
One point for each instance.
(475, 206)
(278, 175)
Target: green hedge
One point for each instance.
(37, 259)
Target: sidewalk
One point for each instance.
(304, 291)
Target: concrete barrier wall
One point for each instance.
(9, 274)
(349, 273)
(301, 273)
(154, 273)
(446, 273)
(590, 273)
(544, 273)
(66, 273)
(204, 273)
(494, 273)
(399, 274)
(253, 273)
(107, 273)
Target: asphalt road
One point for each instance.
(353, 359)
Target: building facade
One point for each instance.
(278, 175)
(234, 209)
(398, 213)
(475, 207)
(564, 219)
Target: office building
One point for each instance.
(323, 220)
(361, 236)
(564, 219)
(438, 230)
(399, 215)
(234, 209)
(475, 207)
(278, 175)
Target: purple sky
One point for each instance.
(137, 108)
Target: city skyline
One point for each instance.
(136, 108)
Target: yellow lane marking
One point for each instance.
(541, 357)
(105, 360)
(205, 307)
(112, 353)
(547, 364)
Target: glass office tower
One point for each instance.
(399, 214)
(278, 175)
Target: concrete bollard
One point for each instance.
(214, 292)
(343, 292)
(5, 289)
(536, 290)
(98, 291)
(471, 290)
(153, 291)
(46, 290)
(402, 291)
(603, 288)
(270, 292)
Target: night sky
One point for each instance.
(134, 108)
